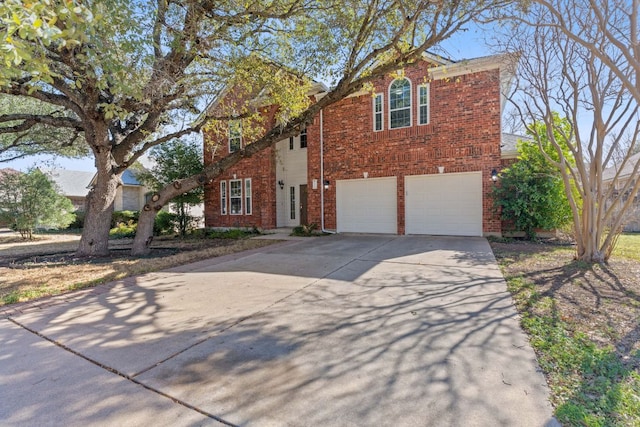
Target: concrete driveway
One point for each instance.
(331, 331)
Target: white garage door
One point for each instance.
(367, 205)
(444, 204)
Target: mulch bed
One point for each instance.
(602, 301)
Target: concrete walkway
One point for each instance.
(328, 331)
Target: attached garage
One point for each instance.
(367, 205)
(444, 204)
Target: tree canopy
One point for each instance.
(131, 75)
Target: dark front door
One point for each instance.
(303, 204)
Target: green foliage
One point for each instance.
(29, 201)
(39, 138)
(123, 230)
(591, 385)
(124, 217)
(175, 160)
(78, 222)
(164, 223)
(531, 192)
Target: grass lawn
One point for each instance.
(628, 246)
(584, 324)
(46, 266)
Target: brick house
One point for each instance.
(415, 156)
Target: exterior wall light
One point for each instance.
(494, 175)
(326, 184)
(281, 184)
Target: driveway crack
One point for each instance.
(123, 375)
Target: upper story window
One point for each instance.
(400, 103)
(303, 138)
(290, 143)
(235, 135)
(423, 104)
(378, 118)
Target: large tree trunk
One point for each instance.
(99, 208)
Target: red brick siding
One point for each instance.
(463, 136)
(260, 168)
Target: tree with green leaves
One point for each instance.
(20, 138)
(531, 193)
(175, 160)
(30, 200)
(131, 75)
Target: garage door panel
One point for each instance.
(367, 205)
(444, 204)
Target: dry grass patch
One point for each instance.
(49, 268)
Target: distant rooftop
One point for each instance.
(509, 144)
(609, 173)
(71, 183)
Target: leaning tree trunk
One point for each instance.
(144, 232)
(99, 208)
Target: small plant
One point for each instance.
(305, 230)
(123, 217)
(123, 230)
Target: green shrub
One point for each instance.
(78, 222)
(123, 217)
(165, 223)
(123, 230)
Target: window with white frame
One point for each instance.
(247, 196)
(303, 138)
(400, 103)
(223, 197)
(423, 104)
(378, 118)
(235, 135)
(235, 196)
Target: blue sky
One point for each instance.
(464, 45)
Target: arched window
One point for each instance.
(400, 103)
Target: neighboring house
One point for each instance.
(75, 185)
(632, 218)
(416, 156)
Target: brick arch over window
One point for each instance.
(400, 103)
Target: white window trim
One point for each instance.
(223, 197)
(428, 87)
(381, 95)
(235, 197)
(248, 197)
(231, 123)
(410, 102)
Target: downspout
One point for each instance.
(322, 175)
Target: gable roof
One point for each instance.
(71, 183)
(609, 173)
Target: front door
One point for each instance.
(303, 204)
